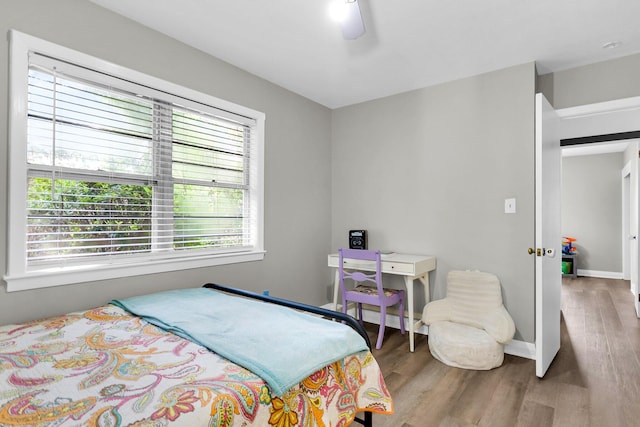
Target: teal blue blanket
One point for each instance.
(281, 345)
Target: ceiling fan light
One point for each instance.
(347, 13)
(338, 11)
(352, 26)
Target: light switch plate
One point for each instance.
(509, 205)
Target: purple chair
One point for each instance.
(362, 294)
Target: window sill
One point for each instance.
(50, 277)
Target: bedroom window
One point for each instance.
(115, 173)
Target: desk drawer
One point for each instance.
(387, 266)
(398, 267)
(358, 264)
(401, 264)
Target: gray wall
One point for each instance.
(297, 173)
(600, 82)
(427, 172)
(592, 209)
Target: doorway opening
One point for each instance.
(606, 124)
(594, 210)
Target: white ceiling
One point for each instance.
(408, 44)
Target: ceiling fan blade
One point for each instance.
(352, 25)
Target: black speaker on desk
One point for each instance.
(357, 239)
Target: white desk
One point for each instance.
(412, 267)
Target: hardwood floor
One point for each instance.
(593, 381)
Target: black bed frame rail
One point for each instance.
(335, 315)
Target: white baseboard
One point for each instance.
(601, 274)
(521, 349)
(514, 348)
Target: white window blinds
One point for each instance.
(118, 171)
(90, 169)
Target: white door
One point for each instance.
(627, 236)
(630, 223)
(636, 294)
(548, 239)
(634, 228)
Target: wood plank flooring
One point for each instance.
(593, 381)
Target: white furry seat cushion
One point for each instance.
(470, 326)
(464, 346)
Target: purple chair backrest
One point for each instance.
(359, 276)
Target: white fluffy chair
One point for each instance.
(469, 328)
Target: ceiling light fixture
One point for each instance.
(347, 14)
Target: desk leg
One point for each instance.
(336, 286)
(425, 281)
(408, 281)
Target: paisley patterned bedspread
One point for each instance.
(106, 367)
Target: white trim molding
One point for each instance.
(20, 275)
(601, 274)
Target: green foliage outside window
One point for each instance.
(79, 217)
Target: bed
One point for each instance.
(110, 367)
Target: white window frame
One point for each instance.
(21, 277)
